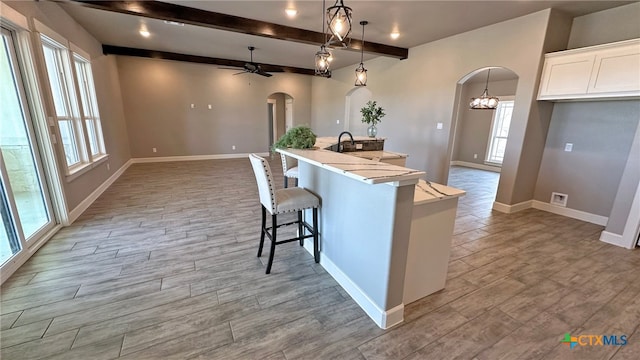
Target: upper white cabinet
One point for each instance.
(595, 72)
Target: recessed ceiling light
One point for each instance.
(291, 12)
(395, 35)
(145, 33)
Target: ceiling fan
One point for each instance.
(253, 68)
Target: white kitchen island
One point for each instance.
(365, 225)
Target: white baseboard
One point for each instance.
(84, 205)
(193, 157)
(572, 213)
(614, 239)
(384, 319)
(508, 209)
(475, 166)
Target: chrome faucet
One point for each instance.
(340, 147)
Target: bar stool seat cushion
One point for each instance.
(294, 199)
(292, 172)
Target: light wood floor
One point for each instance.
(163, 266)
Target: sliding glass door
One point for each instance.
(25, 206)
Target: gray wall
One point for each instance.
(617, 24)
(419, 92)
(157, 96)
(474, 126)
(107, 92)
(601, 134)
(604, 130)
(629, 184)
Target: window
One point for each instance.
(89, 105)
(499, 132)
(76, 108)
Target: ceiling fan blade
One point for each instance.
(228, 68)
(240, 73)
(263, 73)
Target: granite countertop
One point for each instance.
(427, 192)
(362, 169)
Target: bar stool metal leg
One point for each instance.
(300, 228)
(263, 230)
(316, 252)
(274, 226)
(286, 182)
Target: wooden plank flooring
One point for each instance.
(163, 266)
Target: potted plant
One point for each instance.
(299, 137)
(372, 114)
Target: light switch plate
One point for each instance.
(568, 147)
(439, 126)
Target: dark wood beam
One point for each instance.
(165, 55)
(193, 16)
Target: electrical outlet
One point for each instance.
(439, 126)
(108, 166)
(154, 149)
(233, 147)
(568, 147)
(209, 106)
(475, 156)
(358, 146)
(193, 106)
(338, 122)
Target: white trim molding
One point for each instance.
(613, 239)
(84, 205)
(384, 319)
(192, 158)
(559, 210)
(508, 209)
(19, 259)
(475, 166)
(572, 213)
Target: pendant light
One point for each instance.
(485, 101)
(339, 22)
(323, 56)
(361, 72)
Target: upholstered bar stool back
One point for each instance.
(283, 201)
(289, 169)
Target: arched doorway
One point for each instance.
(279, 115)
(356, 98)
(480, 136)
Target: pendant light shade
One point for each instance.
(323, 60)
(485, 101)
(361, 72)
(323, 56)
(339, 22)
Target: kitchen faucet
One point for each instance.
(340, 147)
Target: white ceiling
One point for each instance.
(418, 22)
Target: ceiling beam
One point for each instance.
(165, 55)
(188, 15)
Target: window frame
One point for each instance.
(77, 97)
(489, 158)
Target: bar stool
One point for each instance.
(283, 201)
(289, 169)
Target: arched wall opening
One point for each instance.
(480, 136)
(355, 100)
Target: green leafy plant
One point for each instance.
(372, 113)
(299, 137)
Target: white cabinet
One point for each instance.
(596, 72)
